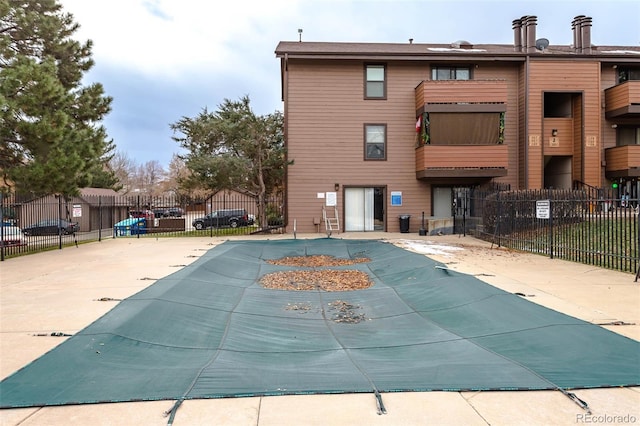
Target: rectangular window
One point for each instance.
(450, 73)
(375, 137)
(375, 82)
(628, 73)
(628, 135)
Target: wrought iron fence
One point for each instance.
(594, 228)
(53, 222)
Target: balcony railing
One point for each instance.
(434, 161)
(623, 161)
(623, 99)
(461, 92)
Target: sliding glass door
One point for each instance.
(364, 209)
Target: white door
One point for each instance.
(358, 209)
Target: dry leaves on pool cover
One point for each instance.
(324, 279)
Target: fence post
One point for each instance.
(464, 212)
(550, 224)
(138, 224)
(59, 219)
(1, 226)
(499, 214)
(99, 217)
(638, 246)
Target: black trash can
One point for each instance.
(404, 223)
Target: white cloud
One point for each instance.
(164, 59)
(170, 37)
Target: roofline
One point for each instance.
(482, 52)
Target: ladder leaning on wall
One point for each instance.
(330, 223)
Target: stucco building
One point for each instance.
(379, 130)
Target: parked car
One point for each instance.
(222, 218)
(11, 235)
(144, 214)
(168, 212)
(175, 211)
(161, 212)
(52, 227)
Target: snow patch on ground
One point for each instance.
(427, 247)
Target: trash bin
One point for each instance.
(130, 226)
(404, 223)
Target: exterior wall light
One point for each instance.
(554, 132)
(336, 187)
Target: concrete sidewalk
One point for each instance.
(63, 291)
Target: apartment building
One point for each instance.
(376, 131)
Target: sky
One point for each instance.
(162, 60)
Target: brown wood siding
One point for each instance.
(453, 91)
(578, 138)
(623, 158)
(608, 78)
(570, 77)
(565, 139)
(523, 149)
(508, 75)
(461, 156)
(622, 95)
(327, 111)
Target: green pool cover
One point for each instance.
(211, 330)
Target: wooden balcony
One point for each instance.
(623, 100)
(623, 161)
(466, 95)
(461, 161)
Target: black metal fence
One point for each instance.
(53, 222)
(574, 225)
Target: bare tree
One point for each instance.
(149, 178)
(124, 168)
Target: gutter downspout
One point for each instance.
(285, 100)
(526, 122)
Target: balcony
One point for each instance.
(623, 100)
(462, 162)
(622, 161)
(461, 96)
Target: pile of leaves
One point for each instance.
(326, 280)
(345, 312)
(317, 279)
(315, 261)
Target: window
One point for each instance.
(628, 136)
(626, 74)
(450, 73)
(375, 136)
(375, 82)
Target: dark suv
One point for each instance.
(222, 218)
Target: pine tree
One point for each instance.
(234, 148)
(50, 138)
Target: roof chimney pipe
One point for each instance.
(517, 34)
(532, 22)
(577, 33)
(585, 29)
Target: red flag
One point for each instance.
(418, 123)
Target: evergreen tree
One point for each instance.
(50, 139)
(234, 148)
